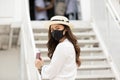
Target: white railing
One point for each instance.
(28, 70)
(106, 24)
(114, 68)
(115, 2)
(114, 10)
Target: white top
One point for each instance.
(43, 14)
(63, 64)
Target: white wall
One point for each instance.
(10, 9)
(17, 10)
(108, 30)
(6, 8)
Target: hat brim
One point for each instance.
(60, 22)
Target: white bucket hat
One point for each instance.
(60, 20)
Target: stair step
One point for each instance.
(91, 50)
(95, 77)
(93, 67)
(87, 58)
(93, 58)
(79, 29)
(43, 24)
(87, 29)
(75, 33)
(44, 36)
(4, 29)
(80, 42)
(6, 20)
(79, 35)
(83, 50)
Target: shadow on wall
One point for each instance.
(45, 9)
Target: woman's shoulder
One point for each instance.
(66, 47)
(66, 43)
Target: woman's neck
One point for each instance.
(61, 40)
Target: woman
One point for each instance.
(63, 50)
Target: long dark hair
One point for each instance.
(52, 43)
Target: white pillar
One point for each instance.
(85, 10)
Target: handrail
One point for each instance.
(112, 15)
(28, 70)
(105, 50)
(115, 15)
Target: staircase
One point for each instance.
(9, 36)
(95, 65)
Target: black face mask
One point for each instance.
(57, 34)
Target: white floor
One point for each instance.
(10, 64)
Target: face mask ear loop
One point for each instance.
(63, 31)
